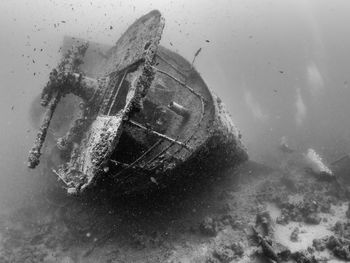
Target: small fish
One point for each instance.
(13, 107)
(198, 51)
(153, 180)
(207, 41)
(195, 55)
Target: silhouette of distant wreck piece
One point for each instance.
(146, 114)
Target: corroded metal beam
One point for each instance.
(63, 80)
(140, 126)
(179, 109)
(35, 152)
(179, 81)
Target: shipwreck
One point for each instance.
(144, 114)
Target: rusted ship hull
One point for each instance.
(146, 114)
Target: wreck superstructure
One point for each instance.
(145, 113)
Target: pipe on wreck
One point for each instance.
(179, 109)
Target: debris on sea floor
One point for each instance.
(239, 218)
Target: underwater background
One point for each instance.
(281, 68)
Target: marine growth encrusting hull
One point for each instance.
(145, 113)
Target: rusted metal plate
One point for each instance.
(141, 38)
(104, 135)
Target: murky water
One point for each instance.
(281, 68)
